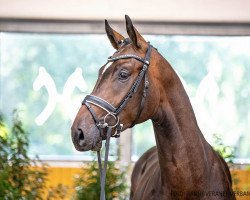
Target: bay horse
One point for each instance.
(182, 165)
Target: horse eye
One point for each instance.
(123, 75)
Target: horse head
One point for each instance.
(116, 79)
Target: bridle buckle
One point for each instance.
(102, 125)
(118, 131)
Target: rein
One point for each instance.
(113, 112)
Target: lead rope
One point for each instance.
(104, 169)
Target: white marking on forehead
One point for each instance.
(106, 67)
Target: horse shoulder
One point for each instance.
(144, 171)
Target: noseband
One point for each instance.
(114, 112)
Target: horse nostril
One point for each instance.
(80, 136)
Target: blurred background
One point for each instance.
(51, 51)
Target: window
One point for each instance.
(215, 72)
(46, 76)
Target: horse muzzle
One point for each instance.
(85, 141)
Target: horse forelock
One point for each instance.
(122, 44)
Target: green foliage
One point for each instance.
(21, 177)
(87, 184)
(227, 152)
(58, 192)
(18, 179)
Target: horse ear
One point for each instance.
(134, 35)
(113, 36)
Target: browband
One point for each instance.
(110, 59)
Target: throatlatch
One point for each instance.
(103, 125)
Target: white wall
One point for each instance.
(156, 10)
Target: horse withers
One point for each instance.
(182, 165)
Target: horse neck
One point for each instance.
(179, 140)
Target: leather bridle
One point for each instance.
(115, 111)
